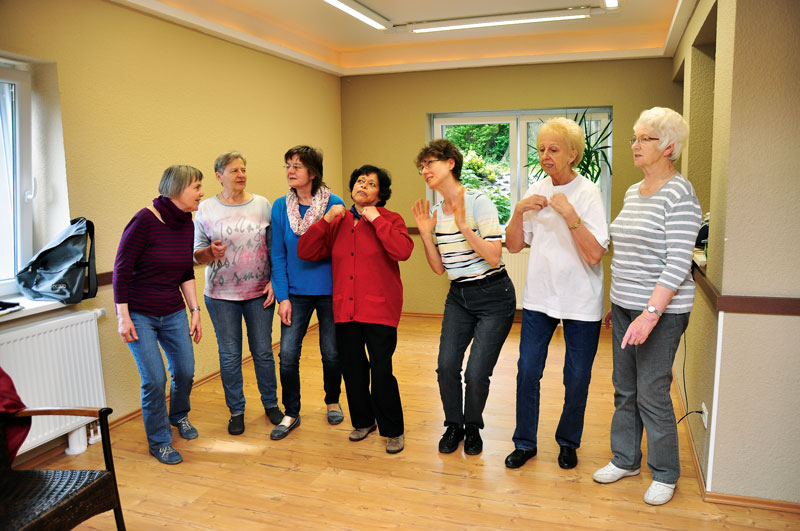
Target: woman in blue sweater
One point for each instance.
(302, 286)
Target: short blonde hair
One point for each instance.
(570, 132)
(670, 127)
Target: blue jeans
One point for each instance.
(642, 378)
(581, 339)
(291, 345)
(480, 311)
(172, 332)
(227, 318)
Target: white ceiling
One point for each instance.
(316, 34)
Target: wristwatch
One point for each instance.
(653, 309)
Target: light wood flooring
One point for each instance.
(317, 479)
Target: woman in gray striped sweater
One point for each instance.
(652, 292)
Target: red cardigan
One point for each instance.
(366, 277)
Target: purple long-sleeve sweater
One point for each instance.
(153, 260)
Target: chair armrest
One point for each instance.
(101, 414)
(67, 411)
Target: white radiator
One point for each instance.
(56, 363)
(517, 267)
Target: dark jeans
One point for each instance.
(291, 345)
(383, 402)
(480, 311)
(642, 378)
(581, 339)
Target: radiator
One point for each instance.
(517, 267)
(56, 363)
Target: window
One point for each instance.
(16, 194)
(500, 155)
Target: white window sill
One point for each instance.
(29, 307)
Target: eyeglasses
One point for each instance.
(426, 164)
(642, 139)
(295, 166)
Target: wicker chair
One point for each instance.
(57, 499)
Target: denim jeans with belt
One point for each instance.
(642, 378)
(480, 311)
(292, 342)
(581, 339)
(172, 332)
(227, 318)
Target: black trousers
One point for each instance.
(382, 402)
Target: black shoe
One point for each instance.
(274, 414)
(518, 457)
(449, 441)
(236, 425)
(473, 444)
(567, 458)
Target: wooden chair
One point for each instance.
(57, 499)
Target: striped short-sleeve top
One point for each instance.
(653, 241)
(460, 260)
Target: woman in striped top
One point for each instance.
(652, 292)
(152, 270)
(463, 236)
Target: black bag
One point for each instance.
(58, 271)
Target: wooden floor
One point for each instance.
(317, 479)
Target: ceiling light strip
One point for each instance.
(497, 23)
(354, 9)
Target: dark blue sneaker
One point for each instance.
(185, 428)
(167, 455)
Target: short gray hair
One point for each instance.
(670, 127)
(176, 178)
(226, 158)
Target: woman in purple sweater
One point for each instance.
(153, 268)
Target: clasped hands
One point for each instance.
(339, 211)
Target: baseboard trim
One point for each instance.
(732, 499)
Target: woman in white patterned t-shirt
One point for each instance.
(231, 236)
(462, 236)
(652, 292)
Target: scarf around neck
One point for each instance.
(319, 203)
(173, 217)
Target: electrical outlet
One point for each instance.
(705, 415)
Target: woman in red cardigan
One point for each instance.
(366, 242)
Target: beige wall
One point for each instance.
(139, 94)
(385, 122)
(752, 359)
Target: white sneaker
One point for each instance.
(611, 473)
(659, 493)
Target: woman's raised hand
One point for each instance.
(336, 211)
(425, 223)
(459, 210)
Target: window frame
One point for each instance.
(518, 142)
(23, 185)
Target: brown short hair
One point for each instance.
(312, 160)
(176, 178)
(444, 150)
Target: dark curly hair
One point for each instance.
(384, 181)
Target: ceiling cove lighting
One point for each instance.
(364, 14)
(611, 4)
(502, 20)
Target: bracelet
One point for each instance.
(194, 309)
(575, 225)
